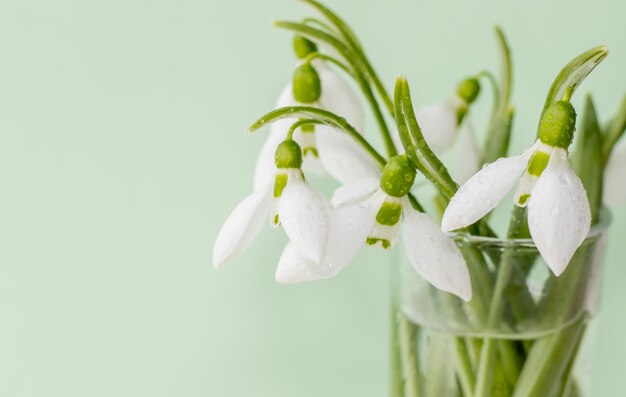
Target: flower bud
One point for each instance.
(557, 125)
(303, 46)
(288, 155)
(398, 176)
(307, 86)
(468, 90)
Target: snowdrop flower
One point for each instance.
(559, 216)
(614, 186)
(289, 201)
(372, 211)
(441, 122)
(316, 84)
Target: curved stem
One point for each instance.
(499, 132)
(495, 88)
(299, 124)
(315, 21)
(330, 59)
(323, 116)
(352, 40)
(356, 62)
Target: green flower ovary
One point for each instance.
(307, 86)
(288, 155)
(468, 90)
(398, 176)
(303, 46)
(557, 125)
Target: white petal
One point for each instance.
(438, 124)
(357, 190)
(342, 157)
(483, 191)
(350, 225)
(242, 226)
(265, 165)
(558, 213)
(614, 180)
(304, 217)
(294, 267)
(338, 97)
(434, 255)
(468, 157)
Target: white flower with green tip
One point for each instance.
(440, 123)
(325, 148)
(289, 201)
(559, 216)
(371, 211)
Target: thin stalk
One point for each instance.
(299, 124)
(410, 371)
(353, 41)
(330, 59)
(464, 369)
(324, 116)
(353, 58)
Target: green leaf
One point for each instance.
(615, 131)
(415, 146)
(587, 160)
(499, 132)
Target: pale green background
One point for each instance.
(122, 151)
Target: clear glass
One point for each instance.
(520, 335)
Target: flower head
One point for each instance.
(371, 211)
(323, 146)
(440, 123)
(286, 200)
(559, 216)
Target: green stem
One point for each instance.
(315, 21)
(330, 59)
(410, 370)
(464, 367)
(355, 60)
(324, 116)
(353, 42)
(299, 124)
(380, 119)
(499, 131)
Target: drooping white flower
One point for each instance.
(614, 182)
(440, 123)
(559, 216)
(325, 148)
(371, 211)
(286, 200)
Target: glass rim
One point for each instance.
(596, 231)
